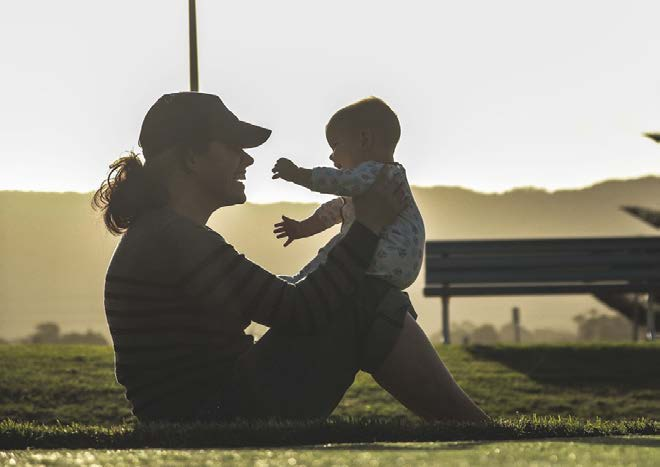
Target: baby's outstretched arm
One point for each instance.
(287, 170)
(327, 215)
(341, 182)
(351, 182)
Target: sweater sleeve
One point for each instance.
(224, 282)
(345, 182)
(329, 213)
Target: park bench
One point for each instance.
(583, 265)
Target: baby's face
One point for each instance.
(346, 149)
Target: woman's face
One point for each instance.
(220, 172)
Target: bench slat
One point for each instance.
(439, 263)
(584, 244)
(536, 289)
(542, 266)
(555, 274)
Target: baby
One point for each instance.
(362, 137)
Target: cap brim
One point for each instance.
(247, 135)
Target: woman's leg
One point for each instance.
(305, 376)
(414, 374)
(294, 376)
(289, 375)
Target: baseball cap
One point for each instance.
(187, 117)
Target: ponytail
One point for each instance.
(129, 191)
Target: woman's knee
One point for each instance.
(384, 327)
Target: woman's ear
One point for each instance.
(189, 161)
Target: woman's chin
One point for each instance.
(239, 196)
(233, 202)
(233, 197)
(241, 192)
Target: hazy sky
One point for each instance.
(490, 95)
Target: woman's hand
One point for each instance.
(382, 203)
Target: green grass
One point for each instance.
(611, 452)
(615, 381)
(67, 397)
(21, 435)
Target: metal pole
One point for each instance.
(192, 27)
(515, 312)
(654, 136)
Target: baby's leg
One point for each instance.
(306, 271)
(289, 279)
(297, 277)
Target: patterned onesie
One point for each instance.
(398, 257)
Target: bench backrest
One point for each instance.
(557, 265)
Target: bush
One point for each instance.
(49, 333)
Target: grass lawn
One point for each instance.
(611, 452)
(613, 381)
(270, 433)
(67, 397)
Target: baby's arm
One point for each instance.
(327, 215)
(287, 170)
(344, 182)
(340, 182)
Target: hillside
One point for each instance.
(55, 251)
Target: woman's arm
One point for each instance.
(222, 280)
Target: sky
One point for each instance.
(490, 95)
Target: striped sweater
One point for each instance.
(178, 298)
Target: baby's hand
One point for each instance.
(288, 228)
(285, 169)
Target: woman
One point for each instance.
(178, 297)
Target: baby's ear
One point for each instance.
(366, 138)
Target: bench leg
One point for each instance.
(445, 320)
(515, 320)
(650, 316)
(635, 325)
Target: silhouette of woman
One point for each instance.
(178, 297)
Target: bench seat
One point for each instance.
(545, 266)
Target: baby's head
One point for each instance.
(367, 130)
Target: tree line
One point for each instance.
(591, 326)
